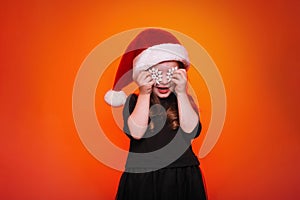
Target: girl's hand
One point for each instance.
(145, 82)
(180, 80)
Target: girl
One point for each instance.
(160, 121)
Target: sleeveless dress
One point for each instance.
(161, 165)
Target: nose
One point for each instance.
(164, 80)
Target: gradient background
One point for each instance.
(255, 44)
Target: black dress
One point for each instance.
(161, 165)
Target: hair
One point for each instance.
(171, 113)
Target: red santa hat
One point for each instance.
(148, 48)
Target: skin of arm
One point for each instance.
(138, 120)
(188, 118)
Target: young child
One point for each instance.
(160, 121)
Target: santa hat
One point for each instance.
(148, 48)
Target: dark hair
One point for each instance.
(171, 113)
(180, 65)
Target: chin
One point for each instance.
(162, 95)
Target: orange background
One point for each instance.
(255, 44)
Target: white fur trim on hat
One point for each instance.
(157, 54)
(115, 98)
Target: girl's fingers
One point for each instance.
(143, 78)
(143, 75)
(147, 79)
(178, 77)
(176, 81)
(151, 82)
(180, 72)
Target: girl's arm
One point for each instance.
(138, 120)
(188, 117)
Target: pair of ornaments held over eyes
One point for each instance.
(157, 74)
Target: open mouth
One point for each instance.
(163, 90)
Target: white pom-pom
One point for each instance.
(115, 98)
